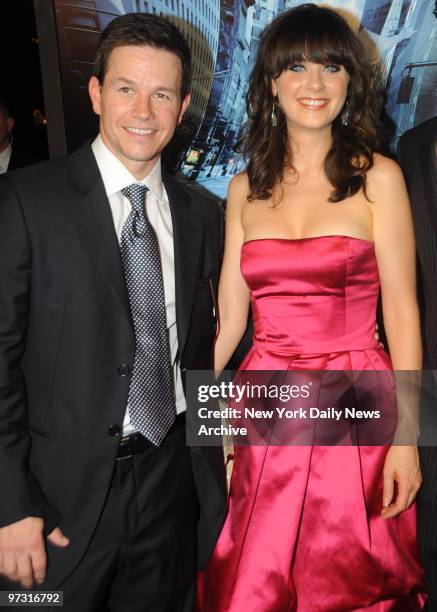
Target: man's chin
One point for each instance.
(142, 156)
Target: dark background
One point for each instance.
(21, 76)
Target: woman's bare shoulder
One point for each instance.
(386, 184)
(385, 172)
(239, 184)
(238, 190)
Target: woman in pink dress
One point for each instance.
(317, 224)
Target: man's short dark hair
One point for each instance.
(5, 109)
(136, 29)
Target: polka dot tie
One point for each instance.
(151, 402)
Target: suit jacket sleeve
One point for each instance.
(221, 224)
(404, 154)
(21, 493)
(401, 150)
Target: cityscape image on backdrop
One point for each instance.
(224, 36)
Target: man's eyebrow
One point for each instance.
(122, 79)
(128, 81)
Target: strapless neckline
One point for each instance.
(370, 242)
(312, 295)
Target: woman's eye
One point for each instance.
(332, 68)
(297, 67)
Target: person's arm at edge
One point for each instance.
(22, 547)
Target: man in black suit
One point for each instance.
(10, 157)
(418, 156)
(107, 288)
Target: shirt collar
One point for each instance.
(5, 157)
(116, 176)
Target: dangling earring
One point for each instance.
(274, 114)
(344, 116)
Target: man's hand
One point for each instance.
(23, 556)
(376, 336)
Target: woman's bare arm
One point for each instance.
(233, 298)
(396, 256)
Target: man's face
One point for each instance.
(6, 126)
(139, 104)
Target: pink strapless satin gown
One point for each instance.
(304, 531)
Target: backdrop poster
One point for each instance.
(224, 36)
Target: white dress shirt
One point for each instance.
(116, 177)
(5, 157)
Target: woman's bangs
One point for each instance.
(321, 46)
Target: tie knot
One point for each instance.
(136, 195)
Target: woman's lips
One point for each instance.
(313, 103)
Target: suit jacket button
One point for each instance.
(124, 370)
(115, 430)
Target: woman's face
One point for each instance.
(311, 95)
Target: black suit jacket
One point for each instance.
(20, 159)
(65, 330)
(417, 157)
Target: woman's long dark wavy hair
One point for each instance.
(320, 35)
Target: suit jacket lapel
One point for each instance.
(188, 238)
(96, 229)
(95, 224)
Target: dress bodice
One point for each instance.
(313, 295)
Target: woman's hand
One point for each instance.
(401, 467)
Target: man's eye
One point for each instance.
(297, 67)
(331, 68)
(161, 96)
(125, 90)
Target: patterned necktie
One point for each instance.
(151, 402)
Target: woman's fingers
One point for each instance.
(388, 490)
(407, 488)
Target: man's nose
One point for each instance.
(142, 107)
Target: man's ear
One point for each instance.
(185, 104)
(10, 124)
(94, 92)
